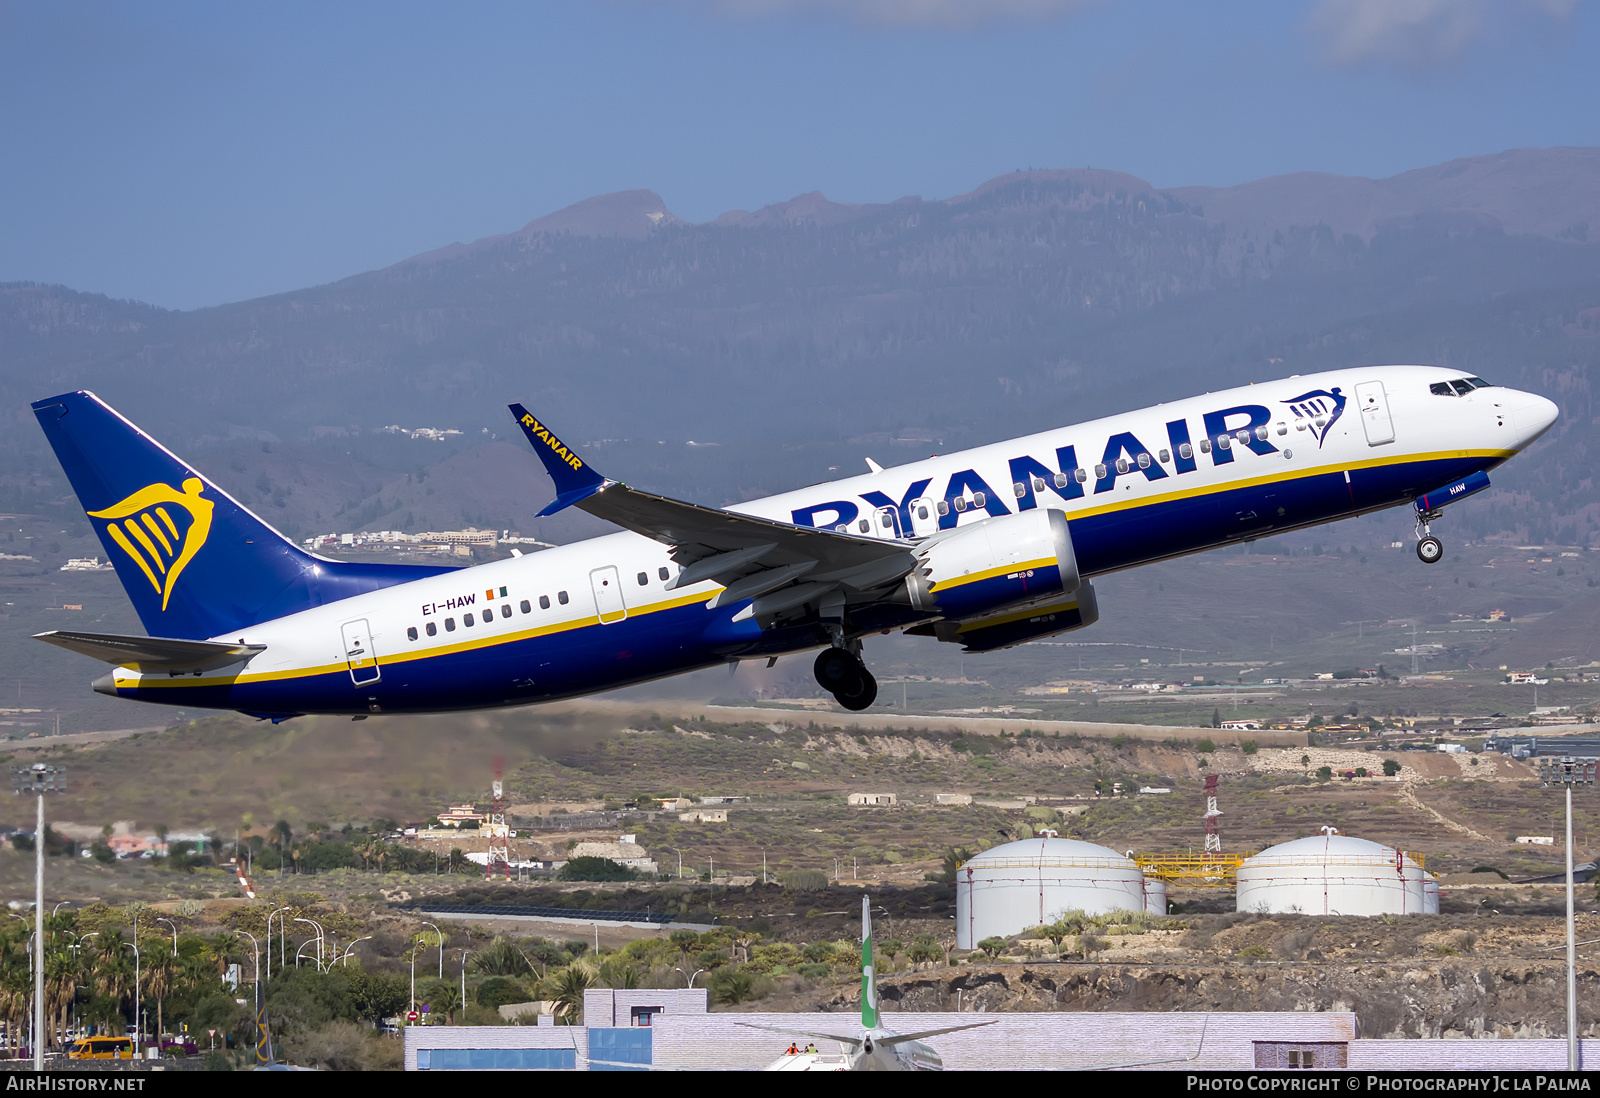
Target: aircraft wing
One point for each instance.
(151, 653)
(782, 564)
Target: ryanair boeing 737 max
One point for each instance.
(989, 548)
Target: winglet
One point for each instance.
(869, 985)
(575, 480)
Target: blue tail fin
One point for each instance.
(194, 561)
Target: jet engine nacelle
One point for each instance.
(996, 565)
(1014, 627)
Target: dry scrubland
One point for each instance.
(1481, 968)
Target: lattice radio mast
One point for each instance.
(499, 860)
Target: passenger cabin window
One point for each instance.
(979, 499)
(411, 633)
(1205, 446)
(662, 572)
(944, 508)
(544, 602)
(1185, 451)
(505, 611)
(961, 503)
(1283, 428)
(1061, 480)
(1099, 472)
(488, 613)
(466, 619)
(864, 526)
(644, 579)
(1224, 442)
(1243, 437)
(1261, 433)
(561, 597)
(1020, 489)
(1122, 465)
(886, 520)
(922, 511)
(433, 630)
(449, 625)
(1144, 461)
(527, 607)
(1164, 457)
(1082, 475)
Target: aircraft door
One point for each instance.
(359, 653)
(924, 517)
(886, 523)
(1375, 412)
(608, 595)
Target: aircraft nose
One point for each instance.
(1532, 414)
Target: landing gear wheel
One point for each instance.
(861, 694)
(1430, 550)
(836, 669)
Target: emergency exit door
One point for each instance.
(608, 595)
(1374, 405)
(924, 517)
(358, 652)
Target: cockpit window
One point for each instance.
(1461, 386)
(1478, 383)
(1441, 389)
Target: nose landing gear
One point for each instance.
(841, 673)
(1430, 550)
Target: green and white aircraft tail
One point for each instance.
(874, 1048)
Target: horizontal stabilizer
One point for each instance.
(151, 653)
(901, 1038)
(574, 480)
(853, 1042)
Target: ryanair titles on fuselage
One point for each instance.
(1124, 454)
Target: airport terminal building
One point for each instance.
(644, 1029)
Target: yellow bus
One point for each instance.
(101, 1048)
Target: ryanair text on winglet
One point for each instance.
(540, 431)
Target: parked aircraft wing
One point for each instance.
(751, 557)
(151, 653)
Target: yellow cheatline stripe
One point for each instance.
(991, 573)
(1274, 478)
(127, 547)
(139, 536)
(1006, 619)
(150, 524)
(671, 604)
(384, 660)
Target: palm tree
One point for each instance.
(160, 973)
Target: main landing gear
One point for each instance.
(1430, 550)
(841, 673)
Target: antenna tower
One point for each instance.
(499, 860)
(1213, 835)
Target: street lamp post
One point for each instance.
(275, 911)
(174, 927)
(440, 933)
(38, 779)
(464, 953)
(351, 949)
(257, 946)
(1568, 772)
(318, 927)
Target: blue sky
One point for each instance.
(193, 154)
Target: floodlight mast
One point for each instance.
(38, 779)
(1568, 772)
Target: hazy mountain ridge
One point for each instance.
(1036, 299)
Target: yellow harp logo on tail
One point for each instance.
(150, 536)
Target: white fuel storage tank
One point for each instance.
(1010, 888)
(1334, 874)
